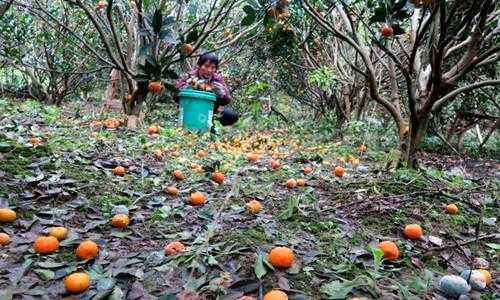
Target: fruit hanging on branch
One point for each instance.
(386, 31)
(155, 87)
(187, 49)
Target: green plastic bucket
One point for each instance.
(196, 110)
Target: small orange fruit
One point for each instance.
(307, 170)
(339, 171)
(274, 164)
(218, 177)
(35, 142)
(174, 247)
(487, 276)
(197, 199)
(4, 239)
(77, 283)
(291, 183)
(362, 148)
(390, 249)
(177, 174)
(120, 221)
(171, 190)
(254, 207)
(252, 157)
(46, 245)
(119, 171)
(60, 233)
(155, 87)
(275, 295)
(87, 250)
(158, 154)
(201, 154)
(187, 49)
(452, 209)
(281, 257)
(413, 232)
(386, 31)
(301, 182)
(7, 215)
(153, 129)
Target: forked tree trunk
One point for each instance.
(133, 108)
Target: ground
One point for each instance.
(331, 224)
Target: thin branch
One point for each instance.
(443, 100)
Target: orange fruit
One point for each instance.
(452, 209)
(46, 245)
(274, 164)
(177, 174)
(120, 221)
(4, 239)
(390, 249)
(119, 171)
(301, 182)
(155, 87)
(339, 171)
(386, 31)
(487, 276)
(187, 49)
(174, 247)
(101, 4)
(197, 199)
(77, 283)
(201, 154)
(35, 141)
(7, 215)
(153, 129)
(171, 190)
(291, 183)
(254, 207)
(362, 148)
(218, 177)
(281, 257)
(60, 233)
(275, 295)
(413, 232)
(307, 170)
(158, 154)
(252, 157)
(87, 250)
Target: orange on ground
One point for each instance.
(87, 250)
(4, 239)
(291, 183)
(252, 157)
(281, 257)
(275, 295)
(301, 182)
(339, 171)
(254, 207)
(218, 177)
(390, 249)
(158, 154)
(155, 87)
(7, 215)
(274, 164)
(413, 232)
(35, 141)
(177, 174)
(120, 221)
(201, 154)
(60, 233)
(452, 209)
(487, 276)
(307, 170)
(362, 148)
(386, 31)
(174, 247)
(171, 190)
(154, 129)
(77, 283)
(196, 199)
(46, 245)
(119, 171)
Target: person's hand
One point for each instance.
(218, 89)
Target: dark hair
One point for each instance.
(208, 57)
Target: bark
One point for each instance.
(112, 94)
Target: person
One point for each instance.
(206, 72)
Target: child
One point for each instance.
(206, 71)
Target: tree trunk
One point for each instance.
(111, 97)
(133, 108)
(417, 131)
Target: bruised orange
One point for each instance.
(386, 31)
(120, 221)
(413, 232)
(252, 157)
(171, 190)
(4, 239)
(60, 233)
(153, 129)
(301, 182)
(46, 245)
(487, 276)
(119, 171)
(177, 174)
(274, 164)
(77, 283)
(307, 170)
(218, 177)
(197, 199)
(158, 154)
(339, 171)
(7, 215)
(35, 142)
(291, 183)
(174, 247)
(187, 49)
(87, 250)
(254, 207)
(390, 250)
(201, 154)
(155, 87)
(452, 209)
(281, 257)
(275, 295)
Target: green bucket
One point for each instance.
(196, 110)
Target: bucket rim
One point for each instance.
(192, 92)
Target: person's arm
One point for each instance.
(221, 90)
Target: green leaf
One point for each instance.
(290, 208)
(157, 21)
(493, 246)
(249, 10)
(192, 36)
(44, 274)
(248, 20)
(378, 255)
(258, 267)
(337, 289)
(168, 21)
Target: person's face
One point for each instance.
(207, 69)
